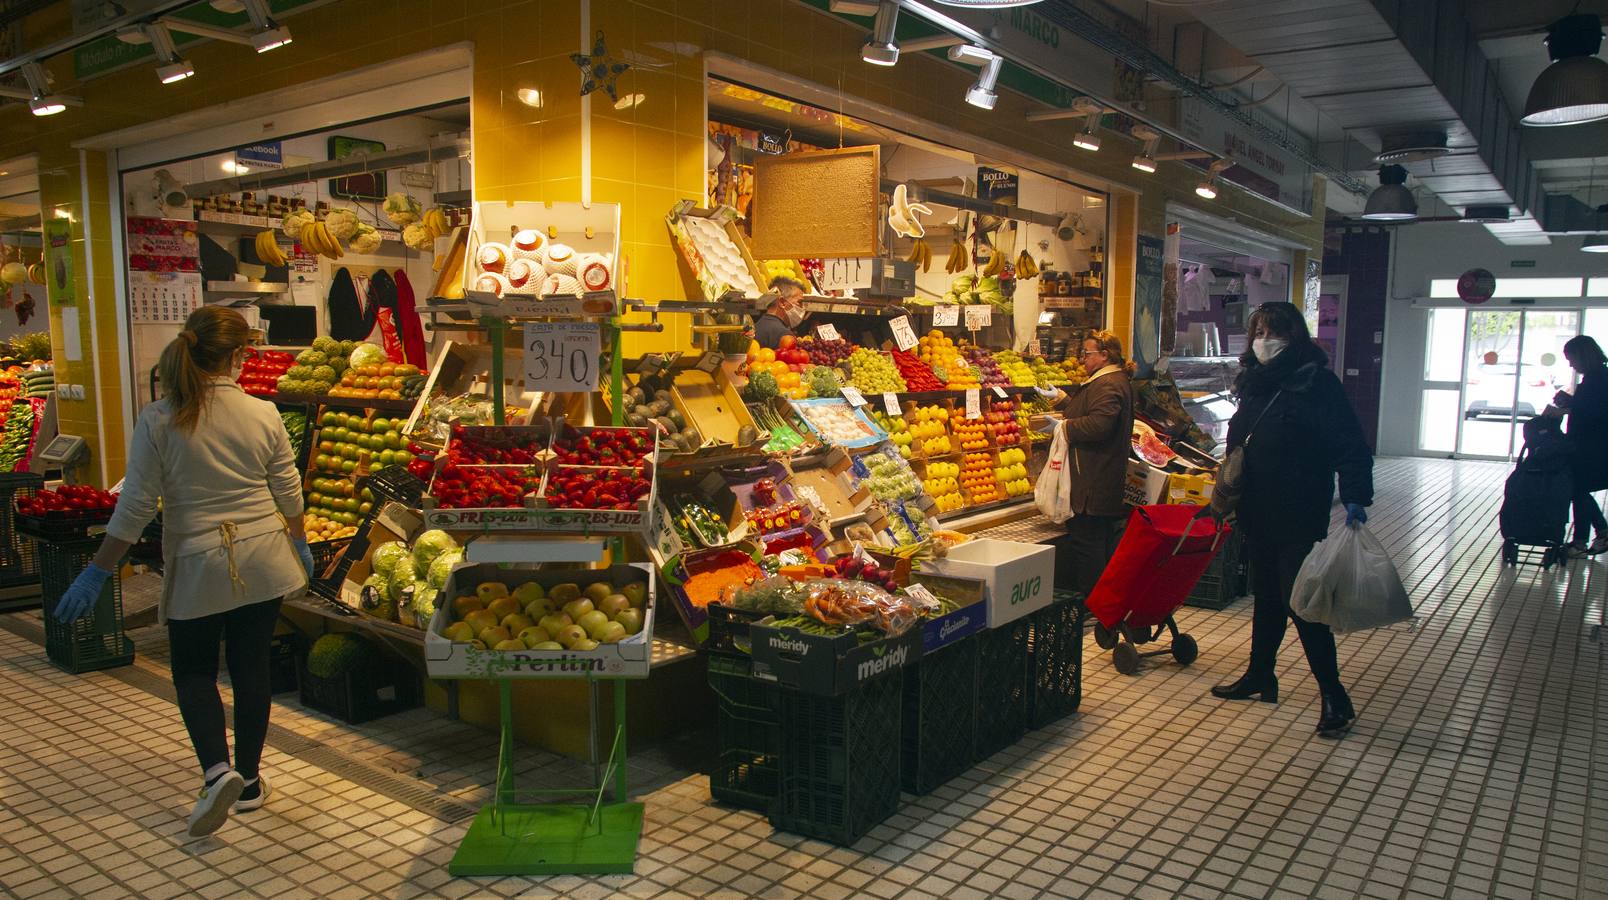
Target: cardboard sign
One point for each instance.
(1033, 348)
(945, 315)
(853, 395)
(561, 357)
(710, 362)
(1000, 392)
(890, 403)
(845, 274)
(974, 403)
(979, 315)
(903, 336)
(827, 332)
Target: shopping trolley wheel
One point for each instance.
(1126, 658)
(1104, 637)
(1184, 649)
(1510, 553)
(1136, 634)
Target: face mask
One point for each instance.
(794, 317)
(1268, 349)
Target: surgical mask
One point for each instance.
(794, 316)
(1268, 349)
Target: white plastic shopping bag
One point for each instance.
(1053, 493)
(1349, 584)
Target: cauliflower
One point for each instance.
(342, 223)
(417, 237)
(366, 241)
(401, 209)
(294, 221)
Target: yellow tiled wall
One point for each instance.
(644, 158)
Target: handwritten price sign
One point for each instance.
(904, 337)
(945, 315)
(561, 357)
(979, 316)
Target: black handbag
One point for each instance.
(1230, 483)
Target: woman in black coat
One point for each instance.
(1299, 432)
(1587, 430)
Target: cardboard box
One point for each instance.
(827, 475)
(1020, 577)
(1146, 485)
(716, 250)
(827, 665)
(972, 617)
(394, 522)
(1193, 490)
(627, 659)
(590, 230)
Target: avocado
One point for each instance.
(636, 421)
(687, 441)
(643, 411)
(675, 416)
(747, 435)
(662, 396)
(659, 407)
(636, 396)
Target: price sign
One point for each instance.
(890, 403)
(1033, 348)
(853, 395)
(922, 596)
(974, 404)
(710, 362)
(979, 315)
(561, 357)
(827, 332)
(945, 315)
(844, 274)
(904, 337)
(1000, 392)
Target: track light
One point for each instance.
(1595, 243)
(1574, 88)
(173, 68)
(40, 100)
(882, 48)
(1145, 161)
(981, 93)
(269, 35)
(1206, 189)
(1145, 164)
(1089, 137)
(1391, 201)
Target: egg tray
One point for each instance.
(716, 251)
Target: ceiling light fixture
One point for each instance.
(981, 93)
(1089, 138)
(1145, 161)
(1391, 201)
(1595, 243)
(882, 47)
(40, 101)
(987, 4)
(531, 97)
(173, 68)
(1207, 188)
(269, 35)
(1574, 89)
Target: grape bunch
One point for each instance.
(874, 373)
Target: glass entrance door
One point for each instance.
(1513, 364)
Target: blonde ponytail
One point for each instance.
(203, 350)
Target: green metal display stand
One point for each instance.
(596, 838)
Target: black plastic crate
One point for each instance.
(840, 761)
(19, 553)
(747, 768)
(62, 524)
(1002, 679)
(1224, 581)
(1055, 660)
(940, 716)
(96, 640)
(394, 483)
(325, 553)
(385, 687)
(282, 650)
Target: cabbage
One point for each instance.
(401, 577)
(441, 567)
(424, 597)
(366, 354)
(386, 556)
(430, 545)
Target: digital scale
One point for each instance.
(64, 452)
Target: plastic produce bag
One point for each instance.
(1349, 584)
(1053, 493)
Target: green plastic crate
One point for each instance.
(1224, 581)
(1002, 679)
(840, 760)
(748, 727)
(1055, 660)
(94, 641)
(940, 716)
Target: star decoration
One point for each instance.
(598, 70)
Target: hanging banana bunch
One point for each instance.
(268, 249)
(1025, 267)
(921, 254)
(959, 260)
(996, 264)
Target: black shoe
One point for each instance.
(1337, 715)
(1265, 688)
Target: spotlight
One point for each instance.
(882, 48)
(1145, 163)
(981, 93)
(175, 71)
(270, 35)
(173, 68)
(272, 39)
(1206, 189)
(1595, 243)
(1391, 201)
(42, 102)
(1574, 89)
(1089, 137)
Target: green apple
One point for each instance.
(510, 644)
(481, 619)
(538, 608)
(534, 635)
(493, 636)
(597, 591)
(613, 604)
(529, 591)
(593, 621)
(459, 633)
(564, 593)
(548, 645)
(612, 632)
(587, 644)
(553, 623)
(503, 607)
(517, 622)
(630, 620)
(569, 634)
(467, 604)
(636, 593)
(488, 591)
(577, 608)
(478, 644)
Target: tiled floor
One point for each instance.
(1475, 769)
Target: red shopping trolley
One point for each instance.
(1161, 556)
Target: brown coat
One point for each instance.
(1099, 432)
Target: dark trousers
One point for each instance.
(1588, 517)
(245, 633)
(1273, 568)
(1086, 549)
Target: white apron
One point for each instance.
(230, 566)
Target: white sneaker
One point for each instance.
(212, 807)
(255, 795)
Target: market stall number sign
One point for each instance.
(561, 357)
(827, 332)
(947, 314)
(978, 316)
(904, 337)
(845, 274)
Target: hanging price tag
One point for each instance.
(853, 395)
(903, 336)
(1000, 392)
(561, 357)
(945, 315)
(827, 332)
(890, 403)
(1033, 348)
(979, 315)
(710, 362)
(974, 403)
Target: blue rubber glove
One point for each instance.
(1355, 514)
(306, 554)
(81, 595)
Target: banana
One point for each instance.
(268, 249)
(435, 222)
(920, 254)
(996, 264)
(902, 214)
(959, 259)
(1025, 267)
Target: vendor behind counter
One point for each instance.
(783, 316)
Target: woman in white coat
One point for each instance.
(220, 464)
